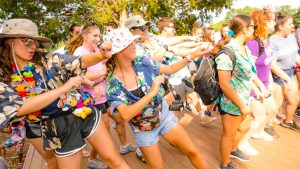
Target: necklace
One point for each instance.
(25, 85)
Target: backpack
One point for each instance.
(206, 80)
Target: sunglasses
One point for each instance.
(142, 28)
(29, 42)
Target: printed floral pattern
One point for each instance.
(146, 70)
(241, 77)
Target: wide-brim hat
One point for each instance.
(136, 21)
(120, 39)
(23, 28)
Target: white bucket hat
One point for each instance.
(120, 39)
(23, 28)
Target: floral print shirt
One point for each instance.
(57, 70)
(241, 79)
(10, 102)
(146, 70)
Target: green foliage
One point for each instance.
(286, 9)
(296, 18)
(53, 17)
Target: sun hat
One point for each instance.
(120, 39)
(136, 21)
(22, 28)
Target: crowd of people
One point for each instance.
(65, 98)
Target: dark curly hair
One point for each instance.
(6, 60)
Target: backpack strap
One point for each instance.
(231, 55)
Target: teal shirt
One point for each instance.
(241, 79)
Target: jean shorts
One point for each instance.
(168, 122)
(290, 72)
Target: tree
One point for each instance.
(54, 16)
(296, 18)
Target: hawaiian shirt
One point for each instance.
(241, 79)
(57, 70)
(10, 102)
(146, 70)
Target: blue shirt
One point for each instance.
(146, 70)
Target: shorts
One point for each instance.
(224, 113)
(168, 122)
(184, 88)
(102, 107)
(70, 131)
(33, 130)
(290, 72)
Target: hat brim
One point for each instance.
(134, 37)
(148, 23)
(45, 42)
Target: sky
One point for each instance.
(259, 3)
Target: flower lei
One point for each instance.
(25, 85)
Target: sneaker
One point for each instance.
(187, 108)
(128, 148)
(277, 120)
(208, 113)
(96, 164)
(205, 119)
(262, 135)
(246, 148)
(139, 155)
(291, 125)
(271, 131)
(229, 166)
(237, 154)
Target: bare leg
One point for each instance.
(102, 142)
(185, 145)
(47, 155)
(153, 156)
(73, 161)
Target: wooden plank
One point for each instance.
(280, 153)
(28, 158)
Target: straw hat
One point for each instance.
(21, 28)
(120, 39)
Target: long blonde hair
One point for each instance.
(77, 40)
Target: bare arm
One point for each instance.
(298, 59)
(94, 58)
(228, 90)
(279, 72)
(95, 75)
(128, 112)
(41, 101)
(194, 53)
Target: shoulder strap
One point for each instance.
(231, 55)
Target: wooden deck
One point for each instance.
(282, 153)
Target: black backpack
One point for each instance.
(206, 80)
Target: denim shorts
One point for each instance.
(290, 72)
(168, 122)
